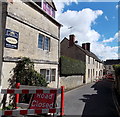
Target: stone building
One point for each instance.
(29, 29)
(109, 65)
(94, 66)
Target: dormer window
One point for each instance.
(49, 10)
(47, 6)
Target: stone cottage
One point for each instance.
(94, 66)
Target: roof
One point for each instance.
(51, 3)
(112, 61)
(85, 51)
(34, 5)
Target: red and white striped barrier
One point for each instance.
(29, 91)
(28, 112)
(33, 111)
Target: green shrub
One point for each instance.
(69, 66)
(117, 69)
(25, 74)
(117, 77)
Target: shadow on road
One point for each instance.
(100, 104)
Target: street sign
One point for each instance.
(43, 101)
(11, 39)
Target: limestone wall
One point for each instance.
(71, 82)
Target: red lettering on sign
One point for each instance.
(43, 101)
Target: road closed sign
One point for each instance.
(43, 101)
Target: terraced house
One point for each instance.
(29, 29)
(93, 65)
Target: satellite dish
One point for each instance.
(76, 41)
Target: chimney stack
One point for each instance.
(71, 40)
(86, 46)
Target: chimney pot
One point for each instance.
(88, 46)
(84, 46)
(71, 40)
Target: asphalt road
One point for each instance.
(91, 100)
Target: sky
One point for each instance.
(93, 22)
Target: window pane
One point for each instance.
(40, 41)
(46, 43)
(49, 10)
(88, 73)
(43, 72)
(53, 12)
(53, 74)
(46, 74)
(47, 78)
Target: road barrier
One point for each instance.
(43, 101)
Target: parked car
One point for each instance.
(109, 77)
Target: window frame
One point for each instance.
(50, 75)
(48, 9)
(48, 46)
(39, 44)
(43, 44)
(88, 59)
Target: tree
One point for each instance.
(25, 74)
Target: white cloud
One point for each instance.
(111, 38)
(106, 18)
(108, 40)
(60, 5)
(88, 0)
(81, 22)
(118, 35)
(117, 6)
(104, 52)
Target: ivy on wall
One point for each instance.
(69, 66)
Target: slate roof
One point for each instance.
(112, 61)
(89, 53)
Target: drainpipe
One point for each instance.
(3, 13)
(58, 80)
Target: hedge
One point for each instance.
(69, 66)
(117, 69)
(117, 77)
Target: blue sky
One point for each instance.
(107, 27)
(97, 21)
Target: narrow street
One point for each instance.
(93, 100)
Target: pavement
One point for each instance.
(94, 99)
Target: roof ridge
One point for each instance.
(89, 53)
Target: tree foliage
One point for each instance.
(25, 74)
